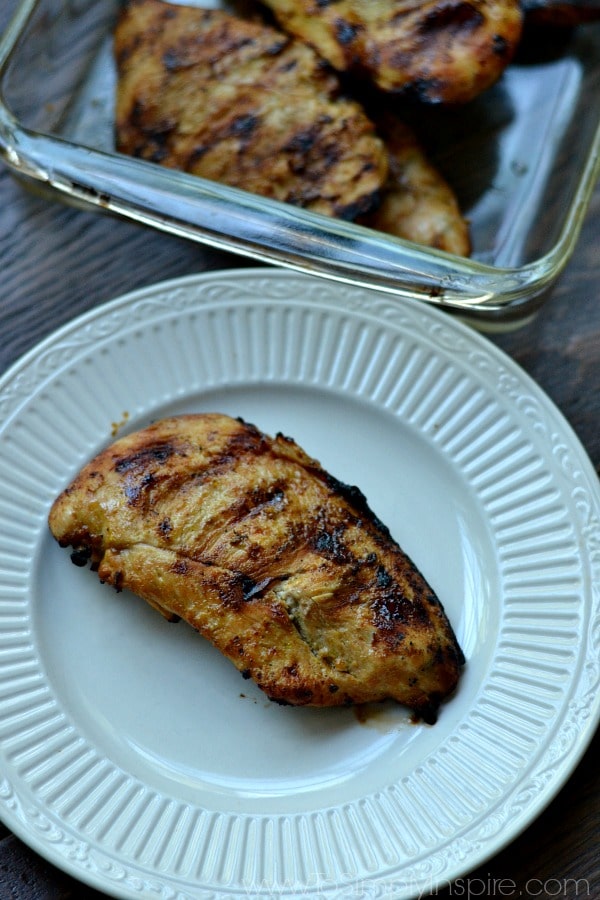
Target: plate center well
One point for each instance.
(164, 705)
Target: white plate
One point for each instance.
(136, 758)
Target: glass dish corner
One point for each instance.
(523, 159)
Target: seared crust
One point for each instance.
(444, 51)
(243, 104)
(286, 570)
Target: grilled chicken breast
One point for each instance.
(417, 203)
(286, 570)
(241, 103)
(439, 50)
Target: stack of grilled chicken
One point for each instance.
(267, 100)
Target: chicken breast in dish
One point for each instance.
(281, 566)
(417, 203)
(441, 51)
(238, 102)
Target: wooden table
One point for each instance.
(57, 262)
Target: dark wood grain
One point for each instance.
(57, 262)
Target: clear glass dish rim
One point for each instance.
(273, 232)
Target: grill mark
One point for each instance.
(324, 535)
(351, 211)
(244, 125)
(321, 534)
(141, 459)
(393, 609)
(303, 141)
(256, 502)
(142, 474)
(459, 19)
(140, 470)
(243, 128)
(330, 544)
(345, 32)
(220, 41)
(234, 587)
(500, 45)
(186, 53)
(232, 523)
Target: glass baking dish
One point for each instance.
(523, 159)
